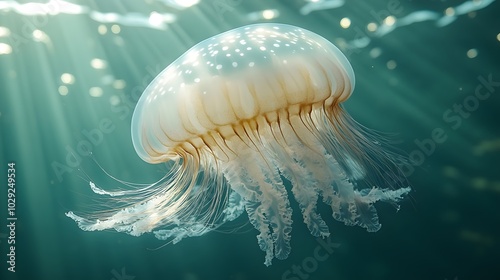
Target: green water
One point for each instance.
(69, 80)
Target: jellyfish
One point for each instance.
(244, 121)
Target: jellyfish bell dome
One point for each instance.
(248, 72)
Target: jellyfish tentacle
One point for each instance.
(246, 187)
(235, 207)
(297, 166)
(355, 207)
(238, 177)
(281, 219)
(190, 203)
(350, 206)
(266, 200)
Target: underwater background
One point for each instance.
(428, 72)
